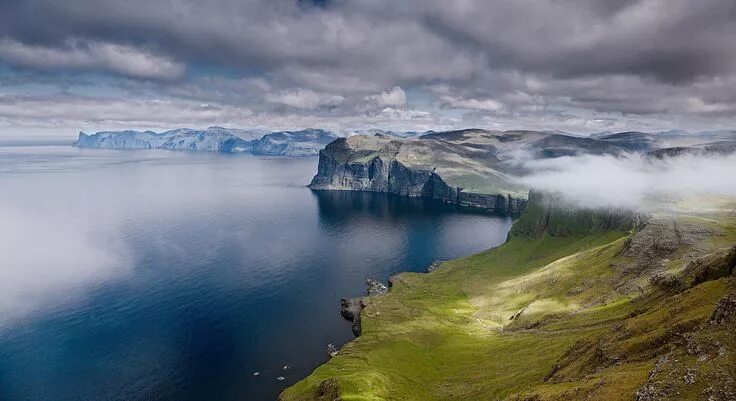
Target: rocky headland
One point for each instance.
(458, 168)
(475, 168)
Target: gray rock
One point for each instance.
(350, 310)
(435, 265)
(332, 350)
(725, 310)
(375, 287)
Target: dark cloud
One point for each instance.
(491, 60)
(671, 40)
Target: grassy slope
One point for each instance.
(449, 335)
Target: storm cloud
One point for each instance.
(575, 65)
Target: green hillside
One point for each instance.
(575, 305)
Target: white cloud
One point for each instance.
(486, 104)
(86, 55)
(66, 115)
(84, 111)
(392, 113)
(305, 99)
(633, 181)
(395, 97)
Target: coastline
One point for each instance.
(500, 324)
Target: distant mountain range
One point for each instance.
(306, 142)
(309, 142)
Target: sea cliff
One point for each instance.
(377, 164)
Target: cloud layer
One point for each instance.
(579, 65)
(633, 181)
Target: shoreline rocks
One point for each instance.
(350, 309)
(375, 287)
(435, 265)
(332, 350)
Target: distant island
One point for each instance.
(305, 142)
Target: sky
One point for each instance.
(578, 66)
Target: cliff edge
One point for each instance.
(423, 167)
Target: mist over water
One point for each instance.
(163, 275)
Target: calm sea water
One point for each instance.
(175, 276)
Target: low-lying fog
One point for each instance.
(633, 181)
(63, 212)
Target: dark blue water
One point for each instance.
(176, 276)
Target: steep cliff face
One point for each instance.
(375, 164)
(344, 167)
(549, 214)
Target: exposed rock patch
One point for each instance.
(328, 390)
(714, 266)
(332, 350)
(649, 251)
(375, 287)
(350, 309)
(435, 265)
(667, 282)
(725, 311)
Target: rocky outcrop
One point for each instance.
(375, 287)
(719, 264)
(350, 309)
(332, 350)
(434, 266)
(328, 390)
(725, 310)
